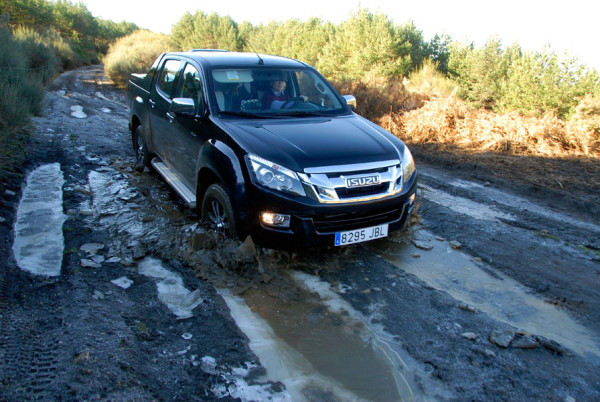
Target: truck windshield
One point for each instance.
(268, 92)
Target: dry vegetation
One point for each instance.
(134, 53)
(420, 118)
(448, 121)
(542, 152)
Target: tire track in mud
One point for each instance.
(31, 354)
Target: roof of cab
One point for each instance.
(220, 58)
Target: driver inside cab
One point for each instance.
(276, 97)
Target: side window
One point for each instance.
(166, 81)
(191, 87)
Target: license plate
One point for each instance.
(360, 235)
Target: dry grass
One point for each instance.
(547, 156)
(382, 98)
(428, 118)
(448, 121)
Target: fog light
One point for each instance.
(273, 219)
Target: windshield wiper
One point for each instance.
(300, 113)
(250, 115)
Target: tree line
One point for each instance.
(73, 22)
(368, 47)
(40, 38)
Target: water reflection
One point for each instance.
(497, 295)
(317, 352)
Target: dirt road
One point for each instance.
(488, 296)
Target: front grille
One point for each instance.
(333, 175)
(353, 183)
(344, 192)
(351, 221)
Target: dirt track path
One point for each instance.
(426, 311)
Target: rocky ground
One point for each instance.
(492, 294)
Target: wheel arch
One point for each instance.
(135, 123)
(218, 163)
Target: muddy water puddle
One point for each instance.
(480, 286)
(318, 352)
(39, 240)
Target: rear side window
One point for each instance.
(166, 81)
(191, 87)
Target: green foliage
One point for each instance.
(38, 39)
(510, 79)
(437, 50)
(40, 56)
(429, 80)
(202, 31)
(480, 72)
(87, 36)
(294, 39)
(134, 54)
(365, 46)
(21, 88)
(542, 82)
(30, 13)
(109, 31)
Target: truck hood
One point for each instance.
(300, 143)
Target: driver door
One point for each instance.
(188, 132)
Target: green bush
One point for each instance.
(21, 87)
(134, 53)
(40, 58)
(510, 79)
(429, 80)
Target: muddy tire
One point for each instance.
(217, 211)
(142, 156)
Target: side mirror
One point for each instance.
(350, 101)
(183, 107)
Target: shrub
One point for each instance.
(21, 87)
(134, 54)
(40, 57)
(377, 98)
(429, 80)
(449, 122)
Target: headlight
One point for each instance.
(275, 177)
(408, 165)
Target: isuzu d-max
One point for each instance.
(264, 146)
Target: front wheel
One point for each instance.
(142, 156)
(217, 210)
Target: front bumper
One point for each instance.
(316, 225)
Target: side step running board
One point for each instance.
(174, 181)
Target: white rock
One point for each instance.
(122, 282)
(209, 365)
(85, 263)
(98, 259)
(98, 295)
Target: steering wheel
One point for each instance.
(292, 100)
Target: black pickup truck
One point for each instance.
(263, 145)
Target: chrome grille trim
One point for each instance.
(355, 167)
(325, 181)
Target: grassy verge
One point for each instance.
(29, 60)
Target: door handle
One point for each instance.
(170, 116)
(152, 103)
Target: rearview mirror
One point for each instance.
(350, 101)
(183, 107)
